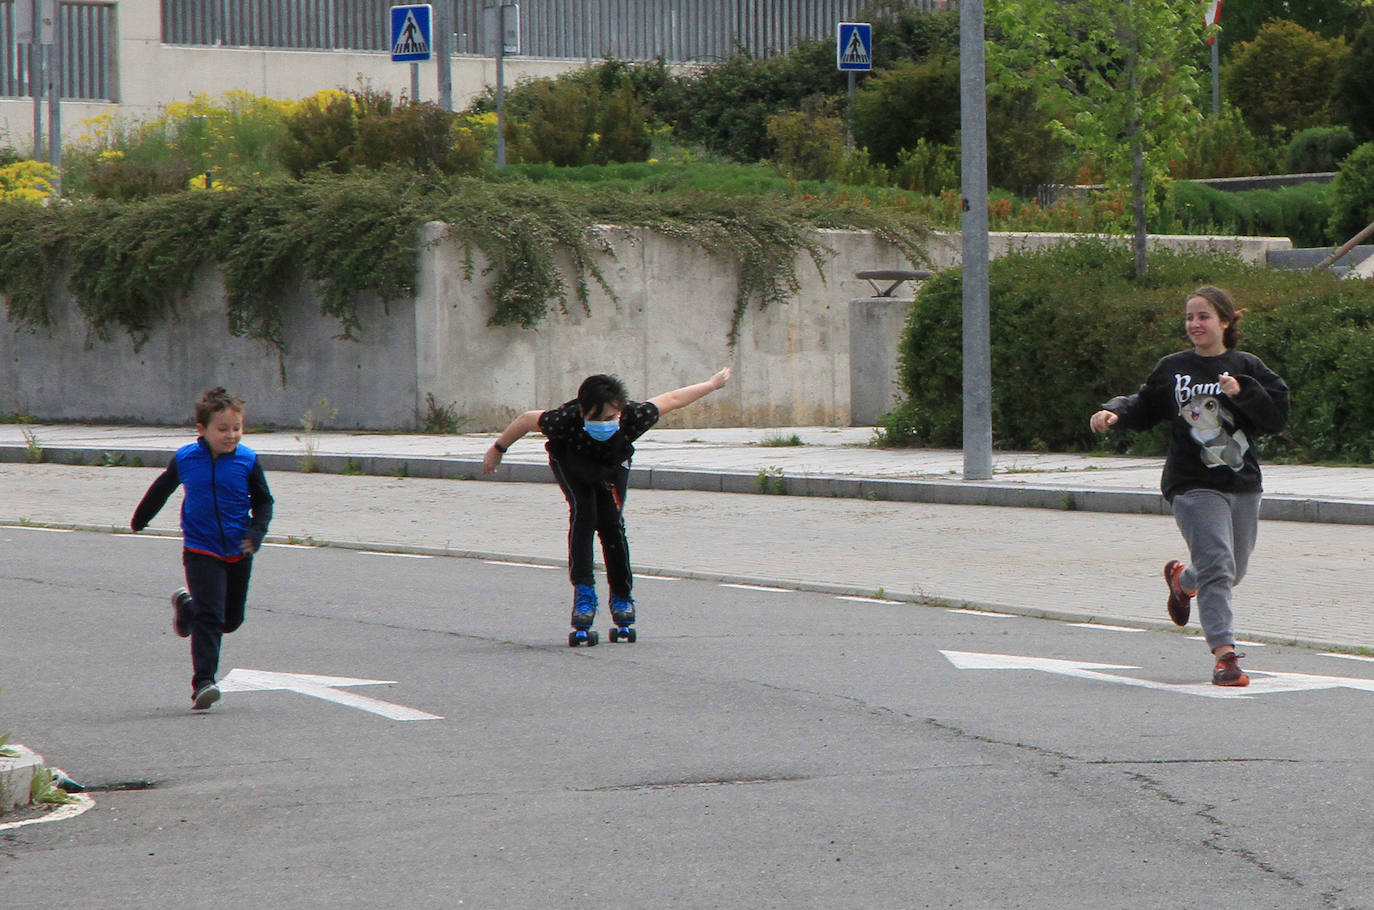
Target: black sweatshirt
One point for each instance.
(1211, 441)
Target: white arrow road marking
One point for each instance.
(323, 687)
(1265, 683)
(79, 804)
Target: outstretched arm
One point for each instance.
(527, 422)
(156, 497)
(680, 398)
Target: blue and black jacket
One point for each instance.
(227, 499)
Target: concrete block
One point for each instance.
(16, 778)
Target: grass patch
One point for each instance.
(779, 441)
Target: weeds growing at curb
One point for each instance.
(440, 419)
(780, 441)
(33, 452)
(771, 481)
(312, 423)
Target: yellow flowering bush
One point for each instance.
(27, 181)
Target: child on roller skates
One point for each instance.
(224, 517)
(1217, 400)
(590, 444)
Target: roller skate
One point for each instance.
(623, 615)
(583, 615)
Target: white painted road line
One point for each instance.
(518, 565)
(743, 587)
(1347, 656)
(1104, 627)
(325, 688)
(1262, 682)
(398, 555)
(1239, 644)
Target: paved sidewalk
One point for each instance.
(863, 533)
(830, 462)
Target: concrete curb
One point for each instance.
(1275, 507)
(16, 778)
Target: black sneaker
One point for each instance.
(181, 612)
(1228, 672)
(205, 696)
(1180, 601)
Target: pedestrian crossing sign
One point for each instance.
(853, 46)
(411, 33)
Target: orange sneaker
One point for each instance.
(1228, 671)
(1180, 601)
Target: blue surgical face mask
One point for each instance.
(601, 430)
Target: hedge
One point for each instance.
(1072, 327)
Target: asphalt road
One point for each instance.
(755, 748)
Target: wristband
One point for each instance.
(498, 447)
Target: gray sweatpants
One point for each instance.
(1220, 530)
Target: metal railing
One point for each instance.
(87, 37)
(677, 30)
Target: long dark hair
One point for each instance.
(1226, 312)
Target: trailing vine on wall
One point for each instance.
(130, 264)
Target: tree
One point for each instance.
(1119, 72)
(1354, 93)
(1241, 21)
(1282, 81)
(905, 103)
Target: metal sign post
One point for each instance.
(974, 177)
(412, 40)
(49, 29)
(853, 54)
(503, 30)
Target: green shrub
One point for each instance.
(318, 135)
(726, 107)
(622, 126)
(338, 132)
(1298, 212)
(810, 144)
(560, 125)
(1319, 149)
(235, 138)
(1023, 151)
(1282, 81)
(905, 103)
(1072, 327)
(1222, 146)
(901, 31)
(927, 168)
(1352, 195)
(1354, 91)
(125, 181)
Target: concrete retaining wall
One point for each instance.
(667, 326)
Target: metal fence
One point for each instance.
(677, 30)
(88, 55)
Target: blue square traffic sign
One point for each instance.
(411, 33)
(853, 46)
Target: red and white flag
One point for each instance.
(1210, 15)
